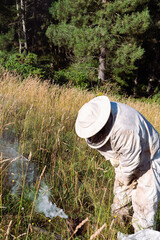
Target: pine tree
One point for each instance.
(23, 24)
(113, 30)
(148, 74)
(37, 21)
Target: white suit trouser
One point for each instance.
(144, 197)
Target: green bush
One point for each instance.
(24, 65)
(80, 74)
(60, 77)
(156, 98)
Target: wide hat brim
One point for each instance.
(85, 129)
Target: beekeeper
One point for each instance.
(123, 136)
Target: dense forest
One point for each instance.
(104, 43)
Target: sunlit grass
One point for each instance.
(42, 117)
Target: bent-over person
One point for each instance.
(123, 136)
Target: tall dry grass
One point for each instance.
(42, 116)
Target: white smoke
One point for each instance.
(44, 205)
(20, 171)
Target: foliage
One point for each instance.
(6, 40)
(65, 32)
(79, 74)
(7, 29)
(125, 58)
(156, 98)
(37, 21)
(117, 25)
(23, 65)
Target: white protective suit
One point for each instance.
(134, 150)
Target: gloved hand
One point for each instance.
(123, 178)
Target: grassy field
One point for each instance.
(42, 117)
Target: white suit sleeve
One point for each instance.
(128, 149)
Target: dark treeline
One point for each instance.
(88, 43)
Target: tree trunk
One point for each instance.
(19, 32)
(22, 32)
(102, 57)
(102, 64)
(35, 23)
(24, 26)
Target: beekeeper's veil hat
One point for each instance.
(92, 117)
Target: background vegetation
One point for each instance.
(86, 43)
(81, 181)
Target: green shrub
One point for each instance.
(24, 65)
(156, 98)
(80, 74)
